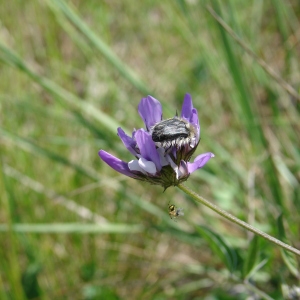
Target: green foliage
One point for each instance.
(74, 71)
(289, 259)
(252, 255)
(220, 247)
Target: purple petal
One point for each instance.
(150, 111)
(129, 142)
(195, 121)
(147, 147)
(115, 163)
(199, 161)
(187, 107)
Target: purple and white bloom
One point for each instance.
(163, 149)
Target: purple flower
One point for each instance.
(162, 151)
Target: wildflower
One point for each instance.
(163, 149)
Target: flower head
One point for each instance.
(163, 149)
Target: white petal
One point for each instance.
(147, 165)
(161, 153)
(193, 142)
(182, 170)
(133, 165)
(171, 162)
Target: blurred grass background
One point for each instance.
(71, 73)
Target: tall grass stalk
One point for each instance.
(237, 221)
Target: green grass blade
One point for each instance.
(74, 228)
(227, 254)
(10, 258)
(248, 113)
(252, 256)
(9, 57)
(240, 81)
(289, 259)
(32, 147)
(280, 11)
(55, 197)
(101, 46)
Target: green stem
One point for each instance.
(235, 220)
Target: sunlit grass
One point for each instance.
(71, 73)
